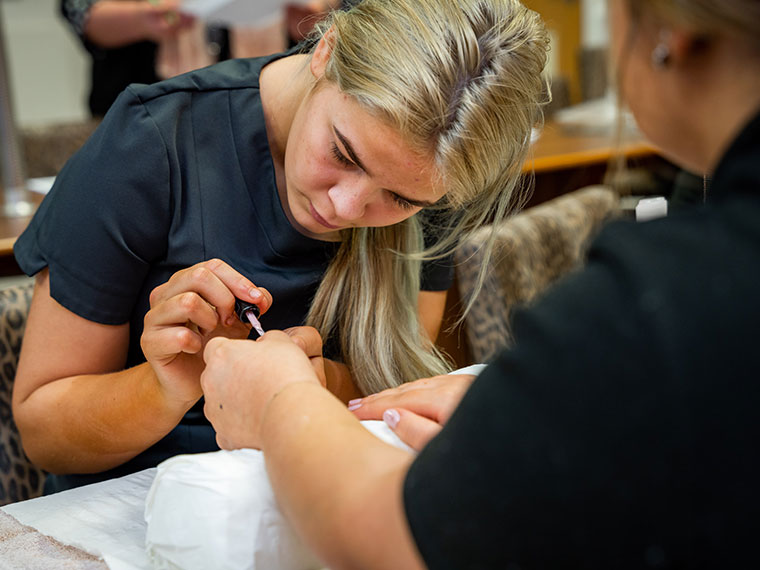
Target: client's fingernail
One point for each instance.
(391, 417)
(352, 407)
(354, 401)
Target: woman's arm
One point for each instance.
(78, 411)
(338, 484)
(76, 408)
(431, 306)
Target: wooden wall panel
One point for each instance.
(563, 18)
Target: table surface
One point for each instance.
(554, 150)
(104, 519)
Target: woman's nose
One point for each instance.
(350, 200)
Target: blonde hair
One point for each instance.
(461, 80)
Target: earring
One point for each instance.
(661, 54)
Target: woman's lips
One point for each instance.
(320, 219)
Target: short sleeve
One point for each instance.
(106, 218)
(437, 274)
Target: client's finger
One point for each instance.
(414, 430)
(421, 402)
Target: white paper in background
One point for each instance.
(236, 12)
(40, 185)
(651, 208)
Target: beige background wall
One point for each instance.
(48, 68)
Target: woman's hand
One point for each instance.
(195, 305)
(335, 376)
(310, 341)
(418, 410)
(241, 378)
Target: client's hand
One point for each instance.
(416, 411)
(242, 377)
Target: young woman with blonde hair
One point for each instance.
(620, 430)
(303, 173)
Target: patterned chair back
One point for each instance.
(19, 479)
(534, 248)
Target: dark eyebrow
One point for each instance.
(350, 150)
(352, 155)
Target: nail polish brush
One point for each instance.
(248, 312)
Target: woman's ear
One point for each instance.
(322, 53)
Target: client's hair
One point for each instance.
(735, 18)
(460, 80)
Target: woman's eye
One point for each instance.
(401, 202)
(340, 157)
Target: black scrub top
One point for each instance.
(178, 172)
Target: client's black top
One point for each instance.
(622, 430)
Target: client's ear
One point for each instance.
(684, 44)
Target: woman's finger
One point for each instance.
(164, 344)
(308, 338)
(240, 286)
(180, 309)
(218, 284)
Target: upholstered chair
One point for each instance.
(19, 479)
(534, 248)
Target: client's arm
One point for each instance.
(340, 487)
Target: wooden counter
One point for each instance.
(562, 161)
(10, 229)
(558, 149)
